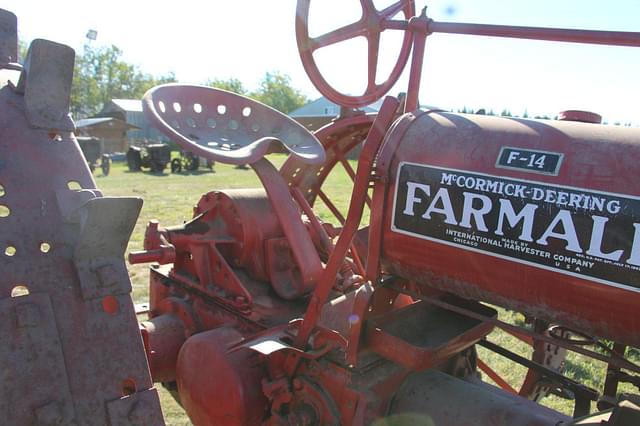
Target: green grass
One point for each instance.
(170, 199)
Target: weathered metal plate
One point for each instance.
(139, 409)
(53, 224)
(31, 354)
(8, 37)
(46, 84)
(99, 259)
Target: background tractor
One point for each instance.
(153, 156)
(92, 151)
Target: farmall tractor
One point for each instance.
(262, 314)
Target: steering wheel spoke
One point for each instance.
(372, 60)
(370, 26)
(392, 10)
(347, 32)
(368, 7)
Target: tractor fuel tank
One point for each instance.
(537, 216)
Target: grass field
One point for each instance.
(170, 199)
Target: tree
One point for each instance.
(232, 85)
(275, 90)
(101, 75)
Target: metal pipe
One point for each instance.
(617, 38)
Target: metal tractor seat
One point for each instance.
(227, 127)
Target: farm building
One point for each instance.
(111, 131)
(317, 113)
(130, 111)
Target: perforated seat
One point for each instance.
(227, 127)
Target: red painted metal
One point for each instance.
(416, 29)
(360, 344)
(259, 312)
(339, 137)
(226, 127)
(583, 116)
(611, 38)
(372, 23)
(260, 315)
(288, 214)
(230, 393)
(420, 336)
(594, 308)
(365, 166)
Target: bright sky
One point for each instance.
(198, 40)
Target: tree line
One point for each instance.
(507, 113)
(100, 74)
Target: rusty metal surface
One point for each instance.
(471, 143)
(8, 38)
(371, 25)
(46, 84)
(419, 336)
(365, 165)
(226, 127)
(69, 330)
(242, 268)
(31, 346)
(339, 138)
(415, 31)
(138, 409)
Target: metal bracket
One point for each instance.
(106, 224)
(46, 84)
(31, 353)
(138, 409)
(8, 38)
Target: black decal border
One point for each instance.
(552, 171)
(615, 282)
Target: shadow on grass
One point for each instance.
(149, 172)
(195, 172)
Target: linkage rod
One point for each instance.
(616, 38)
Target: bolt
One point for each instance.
(297, 384)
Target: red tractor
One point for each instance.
(262, 314)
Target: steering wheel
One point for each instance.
(372, 23)
(226, 127)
